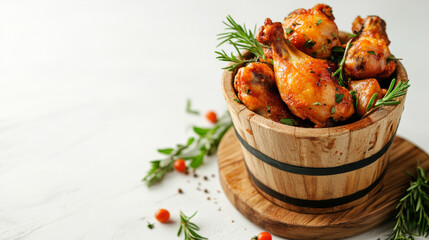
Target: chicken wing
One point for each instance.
(256, 88)
(305, 84)
(365, 89)
(312, 31)
(369, 55)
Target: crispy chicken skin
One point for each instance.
(305, 83)
(314, 31)
(365, 89)
(256, 88)
(368, 57)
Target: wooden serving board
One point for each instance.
(282, 222)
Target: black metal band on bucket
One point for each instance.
(328, 203)
(315, 171)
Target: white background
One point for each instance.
(90, 89)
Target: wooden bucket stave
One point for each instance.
(315, 170)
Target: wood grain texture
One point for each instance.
(404, 156)
(315, 148)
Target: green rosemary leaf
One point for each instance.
(412, 219)
(392, 93)
(371, 101)
(289, 121)
(319, 22)
(240, 38)
(338, 49)
(288, 31)
(189, 228)
(237, 100)
(341, 64)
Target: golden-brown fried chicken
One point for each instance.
(305, 83)
(256, 88)
(365, 89)
(312, 31)
(368, 57)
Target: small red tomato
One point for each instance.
(162, 215)
(264, 236)
(211, 116)
(180, 165)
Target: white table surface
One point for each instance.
(90, 89)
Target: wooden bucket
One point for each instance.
(315, 170)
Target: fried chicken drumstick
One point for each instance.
(305, 83)
(312, 31)
(369, 55)
(256, 88)
(365, 89)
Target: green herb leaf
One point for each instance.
(319, 22)
(166, 151)
(338, 97)
(190, 141)
(237, 100)
(188, 108)
(352, 35)
(289, 121)
(288, 31)
(197, 161)
(333, 110)
(355, 98)
(392, 93)
(268, 109)
(393, 58)
(240, 38)
(189, 228)
(338, 49)
(201, 131)
(341, 64)
(317, 104)
(150, 225)
(247, 91)
(309, 43)
(195, 150)
(371, 101)
(412, 219)
(371, 52)
(334, 35)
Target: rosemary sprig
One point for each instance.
(189, 228)
(393, 58)
(195, 149)
(391, 94)
(341, 64)
(240, 38)
(413, 210)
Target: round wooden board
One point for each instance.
(282, 222)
